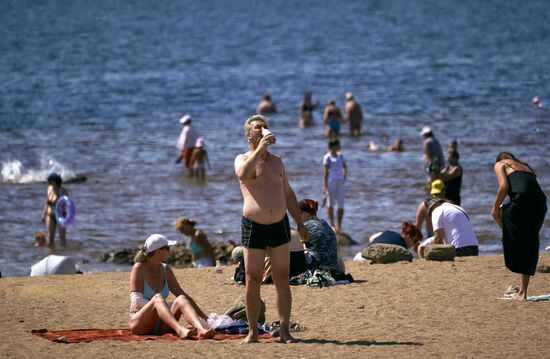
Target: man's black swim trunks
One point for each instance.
(261, 236)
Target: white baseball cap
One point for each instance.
(425, 130)
(156, 241)
(185, 119)
(237, 253)
(199, 142)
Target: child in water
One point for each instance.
(198, 159)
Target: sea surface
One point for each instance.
(96, 89)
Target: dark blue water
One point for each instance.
(97, 88)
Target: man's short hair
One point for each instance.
(248, 122)
(454, 154)
(333, 143)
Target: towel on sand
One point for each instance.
(514, 289)
(90, 335)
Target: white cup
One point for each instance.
(265, 131)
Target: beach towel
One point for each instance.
(90, 335)
(531, 298)
(241, 327)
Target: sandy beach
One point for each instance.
(419, 309)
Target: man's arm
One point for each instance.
(245, 166)
(453, 173)
(439, 236)
(292, 207)
(422, 246)
(421, 214)
(427, 153)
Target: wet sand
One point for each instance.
(419, 309)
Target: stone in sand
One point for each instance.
(543, 269)
(440, 252)
(386, 253)
(344, 239)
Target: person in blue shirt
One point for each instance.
(409, 238)
(321, 245)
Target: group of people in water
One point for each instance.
(332, 116)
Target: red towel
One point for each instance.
(89, 335)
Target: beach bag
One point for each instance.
(238, 311)
(321, 278)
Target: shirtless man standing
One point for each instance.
(267, 196)
(354, 115)
(266, 106)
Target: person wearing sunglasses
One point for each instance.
(151, 281)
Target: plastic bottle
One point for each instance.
(219, 272)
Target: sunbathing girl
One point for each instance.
(151, 281)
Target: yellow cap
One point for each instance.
(437, 186)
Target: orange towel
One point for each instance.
(89, 335)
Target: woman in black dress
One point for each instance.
(521, 218)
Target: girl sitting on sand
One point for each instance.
(202, 252)
(321, 244)
(151, 281)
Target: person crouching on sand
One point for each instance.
(202, 252)
(151, 281)
(451, 225)
(409, 238)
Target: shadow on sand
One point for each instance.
(364, 343)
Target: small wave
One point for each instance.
(14, 172)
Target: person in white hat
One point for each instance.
(151, 281)
(536, 102)
(434, 161)
(353, 114)
(199, 160)
(186, 142)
